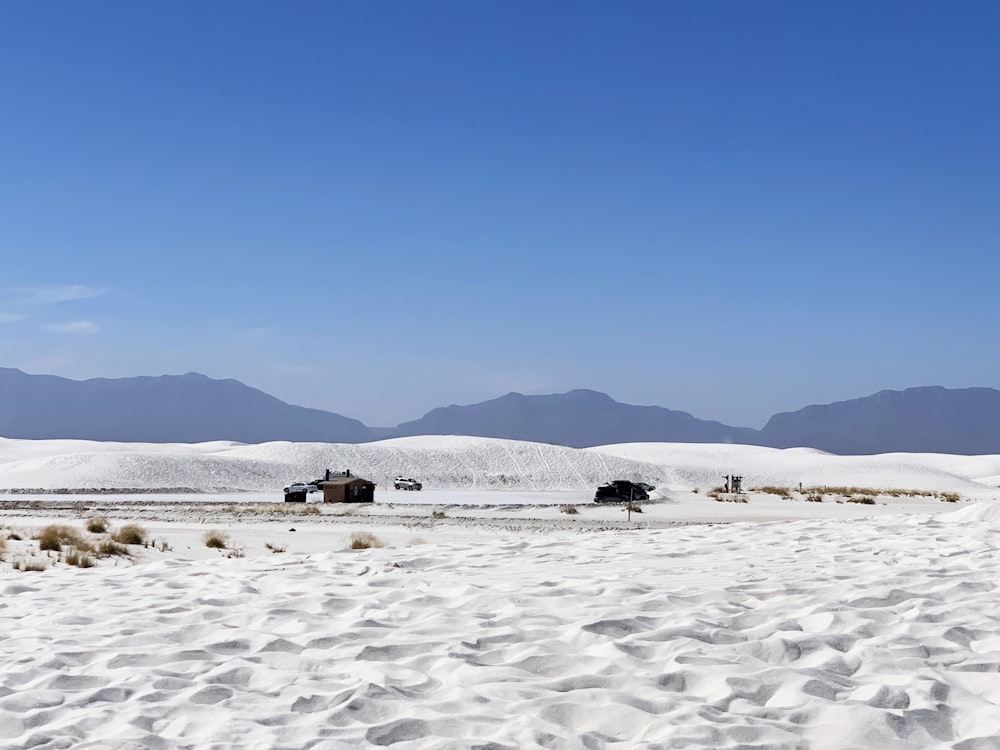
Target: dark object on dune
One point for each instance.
(620, 491)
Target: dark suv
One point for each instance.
(620, 491)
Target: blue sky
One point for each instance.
(376, 208)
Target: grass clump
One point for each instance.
(569, 510)
(215, 539)
(862, 500)
(78, 558)
(130, 534)
(96, 524)
(814, 498)
(55, 536)
(111, 548)
(950, 497)
(275, 548)
(365, 540)
(439, 514)
(772, 490)
(31, 566)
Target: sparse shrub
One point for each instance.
(569, 510)
(950, 497)
(79, 559)
(130, 534)
(862, 500)
(96, 524)
(215, 539)
(869, 491)
(814, 498)
(111, 548)
(237, 552)
(365, 540)
(439, 514)
(772, 490)
(275, 548)
(54, 536)
(31, 566)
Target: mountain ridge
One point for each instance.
(193, 408)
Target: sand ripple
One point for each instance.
(821, 635)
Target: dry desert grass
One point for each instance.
(215, 539)
(365, 540)
(773, 490)
(96, 525)
(31, 566)
(130, 534)
(56, 536)
(78, 558)
(111, 548)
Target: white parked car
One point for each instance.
(405, 483)
(301, 487)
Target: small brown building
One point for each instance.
(341, 487)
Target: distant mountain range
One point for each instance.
(931, 419)
(188, 408)
(579, 419)
(194, 408)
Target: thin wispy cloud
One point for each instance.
(11, 317)
(73, 327)
(53, 294)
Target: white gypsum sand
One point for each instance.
(809, 634)
(493, 619)
(469, 463)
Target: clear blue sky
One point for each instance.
(730, 208)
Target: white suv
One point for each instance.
(300, 487)
(405, 483)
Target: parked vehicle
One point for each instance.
(301, 487)
(406, 483)
(620, 491)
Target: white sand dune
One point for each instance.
(816, 635)
(468, 463)
(442, 462)
(703, 465)
(843, 626)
